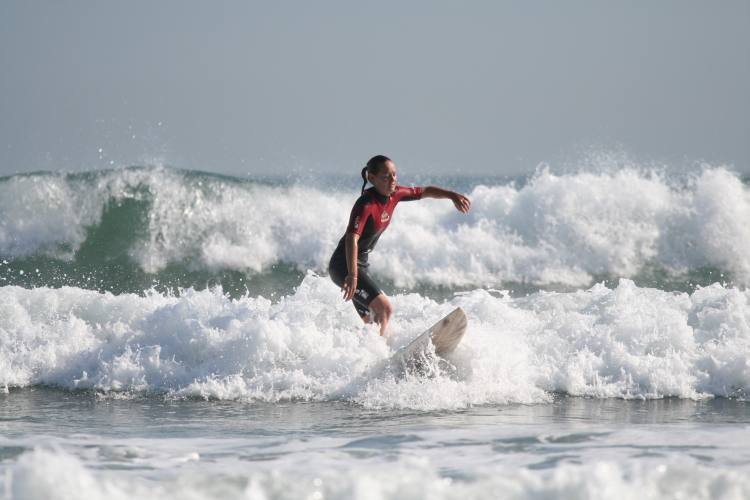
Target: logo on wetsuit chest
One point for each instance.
(384, 217)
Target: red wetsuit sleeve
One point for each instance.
(358, 218)
(404, 193)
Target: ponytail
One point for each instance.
(373, 167)
(364, 179)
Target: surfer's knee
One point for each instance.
(381, 308)
(387, 310)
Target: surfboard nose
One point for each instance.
(448, 332)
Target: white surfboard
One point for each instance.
(444, 335)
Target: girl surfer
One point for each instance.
(370, 216)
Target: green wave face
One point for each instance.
(102, 257)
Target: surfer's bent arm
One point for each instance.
(352, 250)
(462, 203)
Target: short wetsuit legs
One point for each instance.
(366, 291)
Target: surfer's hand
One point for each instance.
(461, 202)
(350, 286)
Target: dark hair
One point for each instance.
(373, 167)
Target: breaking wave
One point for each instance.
(128, 229)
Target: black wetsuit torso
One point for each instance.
(371, 215)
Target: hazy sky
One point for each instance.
(447, 87)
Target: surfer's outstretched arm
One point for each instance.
(462, 203)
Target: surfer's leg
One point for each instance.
(363, 311)
(382, 311)
(337, 271)
(366, 287)
(367, 291)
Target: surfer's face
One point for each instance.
(385, 180)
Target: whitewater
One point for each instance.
(173, 334)
(626, 342)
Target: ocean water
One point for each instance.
(173, 334)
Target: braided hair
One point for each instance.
(373, 167)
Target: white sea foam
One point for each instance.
(625, 342)
(55, 474)
(557, 228)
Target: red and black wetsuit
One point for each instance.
(371, 215)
